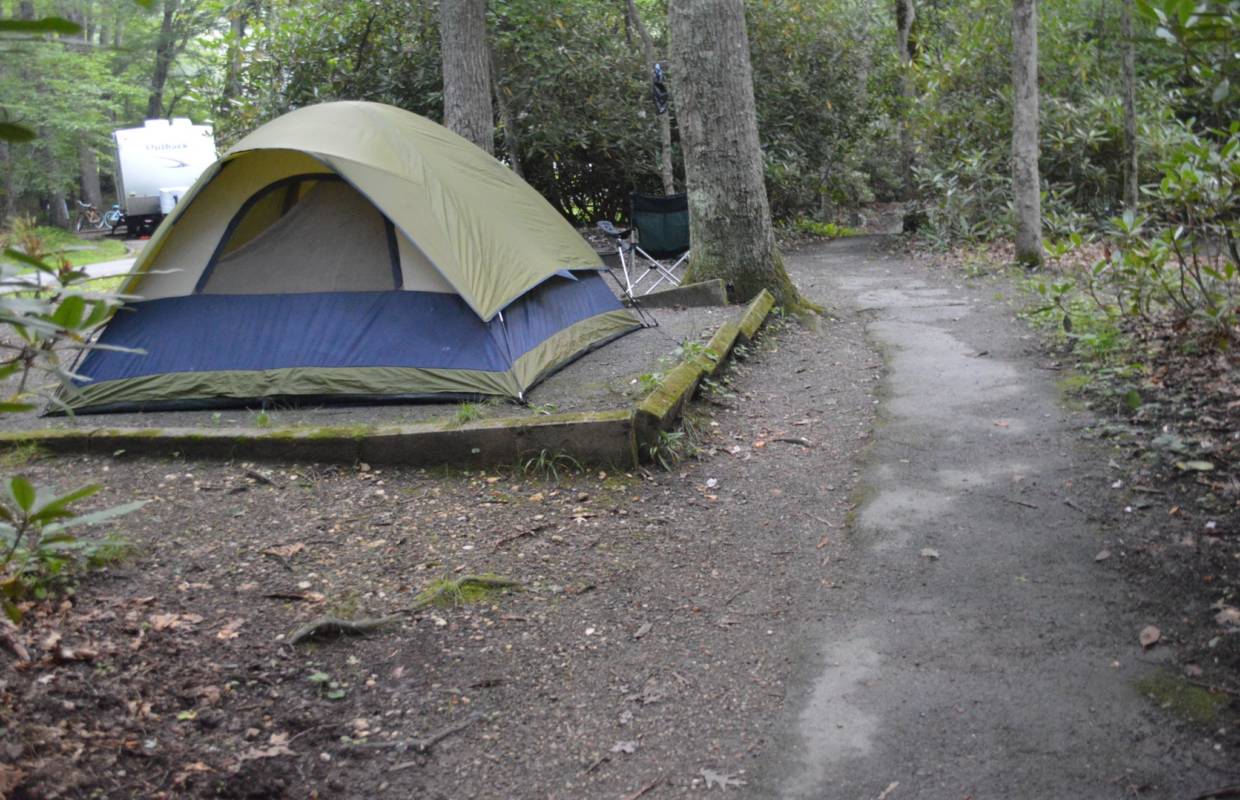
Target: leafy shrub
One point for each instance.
(1188, 265)
(39, 553)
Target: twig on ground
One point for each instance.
(644, 789)
(891, 787)
(261, 478)
(422, 745)
(1226, 791)
(281, 560)
(801, 440)
(1016, 502)
(514, 536)
(288, 596)
(1075, 507)
(1209, 687)
(312, 729)
(335, 627)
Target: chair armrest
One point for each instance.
(612, 231)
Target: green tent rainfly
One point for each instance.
(352, 251)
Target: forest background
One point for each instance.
(835, 85)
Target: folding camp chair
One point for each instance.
(659, 254)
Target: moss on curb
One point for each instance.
(721, 344)
(756, 313)
(659, 410)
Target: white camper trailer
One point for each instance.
(155, 164)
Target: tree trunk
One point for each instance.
(1026, 186)
(58, 208)
(466, 73)
(512, 142)
(164, 51)
(9, 212)
(665, 120)
(25, 9)
(88, 162)
(1131, 173)
(239, 18)
(905, 15)
(729, 217)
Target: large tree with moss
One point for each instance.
(729, 217)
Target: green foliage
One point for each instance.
(328, 687)
(1185, 263)
(822, 130)
(467, 412)
(62, 92)
(1203, 36)
(38, 553)
(823, 230)
(670, 448)
(548, 465)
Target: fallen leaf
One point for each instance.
(930, 553)
(721, 780)
(1103, 555)
(1195, 466)
(1150, 636)
(1229, 615)
(1192, 670)
(164, 621)
(642, 631)
(229, 631)
(285, 550)
(10, 778)
(624, 747)
(276, 748)
(1002, 423)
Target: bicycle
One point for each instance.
(113, 217)
(88, 218)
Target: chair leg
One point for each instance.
(657, 272)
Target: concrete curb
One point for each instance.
(604, 437)
(659, 410)
(755, 315)
(612, 438)
(705, 293)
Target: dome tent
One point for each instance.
(351, 250)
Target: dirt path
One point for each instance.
(980, 652)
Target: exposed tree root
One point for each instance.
(423, 744)
(445, 593)
(333, 627)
